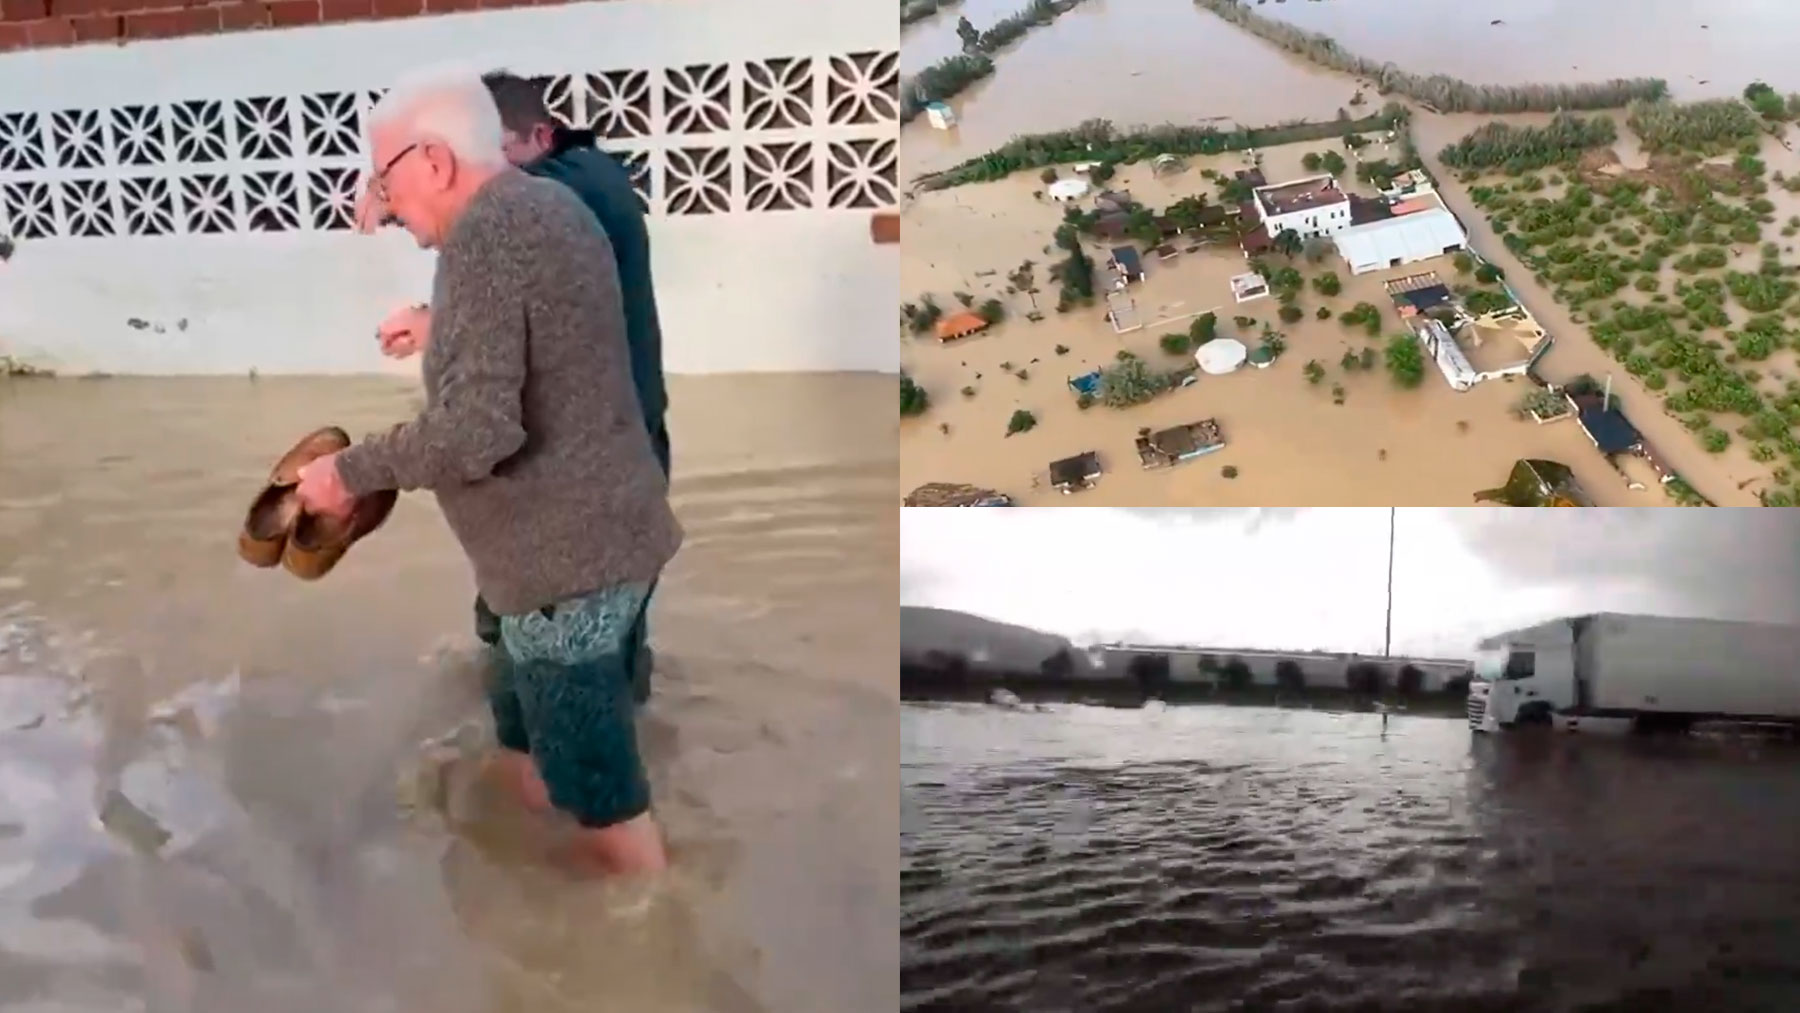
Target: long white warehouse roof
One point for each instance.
(1406, 238)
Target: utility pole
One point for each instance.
(1387, 640)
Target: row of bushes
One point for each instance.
(1519, 149)
(1439, 91)
(1100, 141)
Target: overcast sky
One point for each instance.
(1315, 578)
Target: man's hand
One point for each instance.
(322, 490)
(405, 332)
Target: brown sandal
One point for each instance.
(316, 543)
(275, 512)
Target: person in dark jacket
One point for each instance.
(537, 143)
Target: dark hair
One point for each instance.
(520, 100)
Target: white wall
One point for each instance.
(762, 177)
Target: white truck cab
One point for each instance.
(1525, 676)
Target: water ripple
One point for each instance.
(1212, 859)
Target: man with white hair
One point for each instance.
(534, 443)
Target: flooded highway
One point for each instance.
(222, 789)
(1247, 859)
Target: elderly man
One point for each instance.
(534, 443)
(537, 143)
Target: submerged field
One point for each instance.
(1679, 262)
(1336, 420)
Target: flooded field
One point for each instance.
(1245, 859)
(1154, 61)
(223, 790)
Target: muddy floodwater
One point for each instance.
(225, 790)
(1204, 859)
(1155, 61)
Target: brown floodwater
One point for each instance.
(222, 789)
(1154, 61)
(1245, 859)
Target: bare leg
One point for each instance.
(520, 776)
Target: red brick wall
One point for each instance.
(41, 24)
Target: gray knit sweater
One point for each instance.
(531, 436)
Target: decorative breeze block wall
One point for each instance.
(785, 133)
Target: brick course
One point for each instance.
(42, 24)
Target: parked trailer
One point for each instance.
(1650, 672)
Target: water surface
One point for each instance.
(1079, 858)
(224, 790)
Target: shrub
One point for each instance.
(1405, 360)
(1290, 313)
(913, 400)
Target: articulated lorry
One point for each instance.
(1645, 673)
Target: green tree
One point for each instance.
(1022, 421)
(1311, 161)
(1204, 328)
(1130, 381)
(913, 400)
(1048, 175)
(1288, 243)
(1177, 343)
(1102, 172)
(1333, 163)
(1463, 263)
(1405, 360)
(970, 36)
(1290, 676)
(1327, 284)
(1290, 314)
(1187, 212)
(1314, 371)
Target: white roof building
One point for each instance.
(1406, 239)
(1314, 206)
(1065, 190)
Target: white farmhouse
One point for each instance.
(1314, 206)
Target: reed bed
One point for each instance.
(1709, 126)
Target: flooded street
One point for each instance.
(1249, 859)
(1156, 61)
(222, 789)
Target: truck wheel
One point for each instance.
(1533, 717)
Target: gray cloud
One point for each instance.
(1731, 563)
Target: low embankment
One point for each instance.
(1439, 91)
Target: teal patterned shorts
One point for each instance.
(562, 692)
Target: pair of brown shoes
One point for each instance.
(278, 530)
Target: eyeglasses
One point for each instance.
(378, 184)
